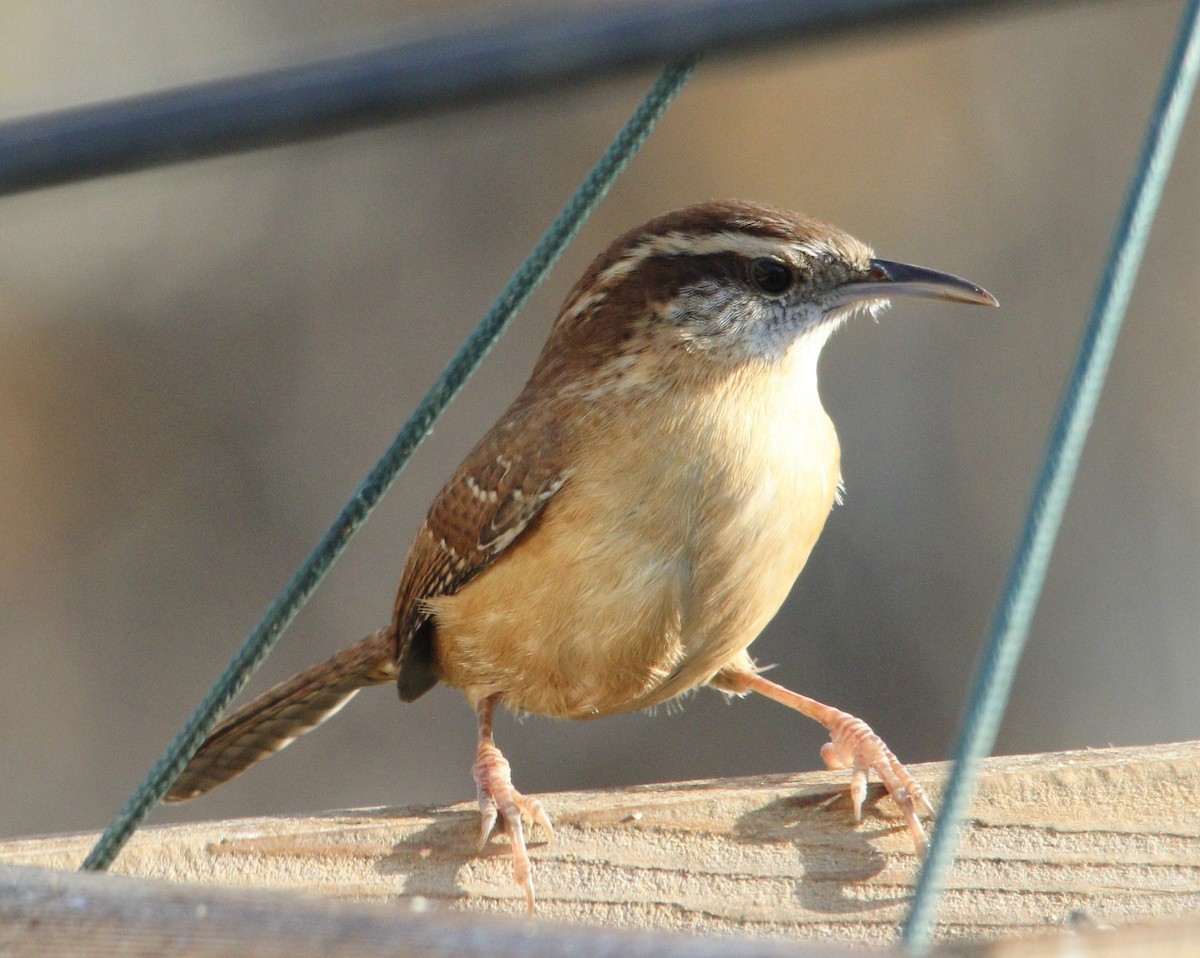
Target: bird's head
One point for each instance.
(738, 281)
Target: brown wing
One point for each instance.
(492, 498)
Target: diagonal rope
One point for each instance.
(1010, 626)
(302, 585)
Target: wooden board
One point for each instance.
(74, 915)
(1099, 838)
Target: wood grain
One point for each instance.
(1100, 838)
(74, 915)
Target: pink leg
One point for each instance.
(499, 800)
(852, 745)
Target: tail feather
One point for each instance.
(276, 718)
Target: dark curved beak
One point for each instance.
(886, 279)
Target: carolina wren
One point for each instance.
(637, 515)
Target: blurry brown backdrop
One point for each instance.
(198, 364)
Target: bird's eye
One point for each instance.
(774, 277)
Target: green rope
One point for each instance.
(1010, 626)
(297, 592)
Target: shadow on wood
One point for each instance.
(1106, 837)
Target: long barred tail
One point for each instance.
(272, 721)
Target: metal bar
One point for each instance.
(446, 63)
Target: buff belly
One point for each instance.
(608, 605)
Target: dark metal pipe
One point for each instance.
(445, 63)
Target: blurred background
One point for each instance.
(198, 364)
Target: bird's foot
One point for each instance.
(498, 800)
(855, 746)
(852, 745)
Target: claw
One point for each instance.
(487, 815)
(858, 790)
(537, 816)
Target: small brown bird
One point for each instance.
(637, 515)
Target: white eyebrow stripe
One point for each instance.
(709, 244)
(743, 244)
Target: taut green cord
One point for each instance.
(1010, 626)
(297, 592)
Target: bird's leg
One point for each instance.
(852, 745)
(499, 800)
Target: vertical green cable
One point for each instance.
(283, 610)
(1010, 626)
